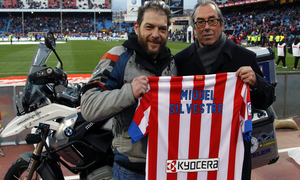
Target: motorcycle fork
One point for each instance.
(36, 155)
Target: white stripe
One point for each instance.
(240, 150)
(228, 105)
(185, 124)
(239, 158)
(145, 120)
(210, 81)
(163, 126)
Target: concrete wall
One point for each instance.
(287, 91)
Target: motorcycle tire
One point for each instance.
(18, 170)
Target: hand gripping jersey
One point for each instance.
(195, 126)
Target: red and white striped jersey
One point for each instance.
(195, 126)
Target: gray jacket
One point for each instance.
(115, 71)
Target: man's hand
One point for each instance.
(247, 75)
(139, 86)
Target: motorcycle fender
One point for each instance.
(26, 156)
(48, 168)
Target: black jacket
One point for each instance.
(231, 58)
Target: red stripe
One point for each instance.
(194, 144)
(101, 85)
(112, 57)
(174, 121)
(143, 106)
(152, 147)
(234, 126)
(216, 121)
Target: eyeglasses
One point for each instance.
(211, 22)
(161, 3)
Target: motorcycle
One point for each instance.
(50, 106)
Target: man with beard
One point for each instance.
(213, 53)
(120, 79)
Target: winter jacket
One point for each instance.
(231, 58)
(115, 71)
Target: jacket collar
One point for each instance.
(163, 58)
(227, 50)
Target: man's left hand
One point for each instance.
(247, 75)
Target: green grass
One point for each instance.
(78, 56)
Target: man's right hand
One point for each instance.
(139, 86)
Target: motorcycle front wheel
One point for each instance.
(18, 171)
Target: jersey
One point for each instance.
(195, 126)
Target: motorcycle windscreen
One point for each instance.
(32, 93)
(41, 56)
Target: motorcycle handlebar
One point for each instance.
(59, 74)
(48, 75)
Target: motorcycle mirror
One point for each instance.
(49, 40)
(50, 43)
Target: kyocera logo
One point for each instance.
(171, 166)
(192, 165)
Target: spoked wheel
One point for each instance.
(18, 171)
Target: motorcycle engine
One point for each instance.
(61, 138)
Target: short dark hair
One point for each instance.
(297, 40)
(156, 6)
(204, 3)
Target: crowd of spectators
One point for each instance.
(282, 20)
(2, 23)
(263, 21)
(52, 4)
(75, 23)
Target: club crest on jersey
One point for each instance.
(192, 165)
(249, 109)
(199, 77)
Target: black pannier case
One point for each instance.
(264, 148)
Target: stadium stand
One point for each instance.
(243, 20)
(54, 4)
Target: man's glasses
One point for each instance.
(161, 3)
(211, 22)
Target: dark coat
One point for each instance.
(230, 59)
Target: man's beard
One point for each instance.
(143, 43)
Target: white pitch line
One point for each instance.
(287, 149)
(27, 42)
(72, 177)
